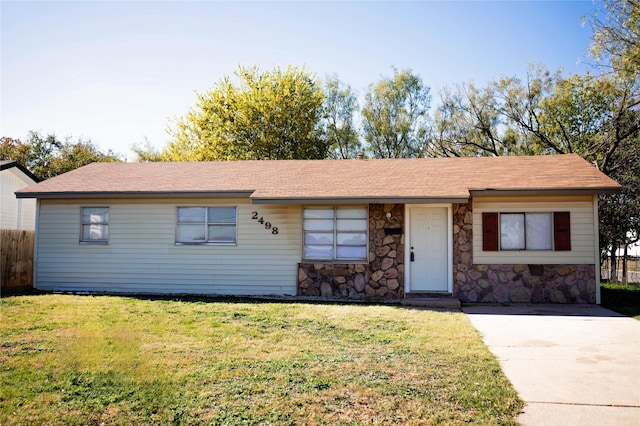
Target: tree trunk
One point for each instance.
(624, 265)
(613, 271)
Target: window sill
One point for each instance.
(208, 244)
(525, 251)
(337, 262)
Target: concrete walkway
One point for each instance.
(572, 365)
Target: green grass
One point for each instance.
(113, 360)
(624, 299)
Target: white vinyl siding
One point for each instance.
(583, 229)
(16, 213)
(142, 255)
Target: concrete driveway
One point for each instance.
(572, 364)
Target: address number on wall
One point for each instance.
(267, 225)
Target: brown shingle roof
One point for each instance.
(293, 180)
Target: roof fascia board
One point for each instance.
(546, 191)
(130, 195)
(22, 168)
(362, 200)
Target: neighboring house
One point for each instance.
(16, 213)
(506, 229)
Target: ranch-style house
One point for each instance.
(491, 230)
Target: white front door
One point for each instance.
(428, 262)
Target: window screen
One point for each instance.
(335, 233)
(95, 225)
(206, 225)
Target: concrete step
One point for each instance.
(427, 294)
(432, 302)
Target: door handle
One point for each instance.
(412, 257)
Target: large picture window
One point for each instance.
(526, 231)
(206, 225)
(95, 225)
(335, 233)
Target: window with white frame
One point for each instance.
(206, 225)
(335, 233)
(526, 231)
(95, 225)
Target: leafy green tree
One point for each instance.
(272, 114)
(593, 116)
(470, 122)
(616, 36)
(340, 131)
(620, 218)
(47, 156)
(15, 150)
(520, 106)
(146, 153)
(395, 116)
(616, 46)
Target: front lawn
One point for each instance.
(115, 360)
(624, 299)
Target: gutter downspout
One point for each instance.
(35, 245)
(596, 237)
(19, 221)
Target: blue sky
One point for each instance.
(116, 72)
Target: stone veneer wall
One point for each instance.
(513, 283)
(383, 276)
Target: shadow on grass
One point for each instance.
(16, 291)
(624, 299)
(213, 298)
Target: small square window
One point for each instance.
(95, 225)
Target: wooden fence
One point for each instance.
(16, 260)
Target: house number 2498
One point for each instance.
(267, 225)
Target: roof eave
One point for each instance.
(359, 200)
(134, 194)
(23, 169)
(546, 191)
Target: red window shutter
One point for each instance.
(490, 231)
(562, 231)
